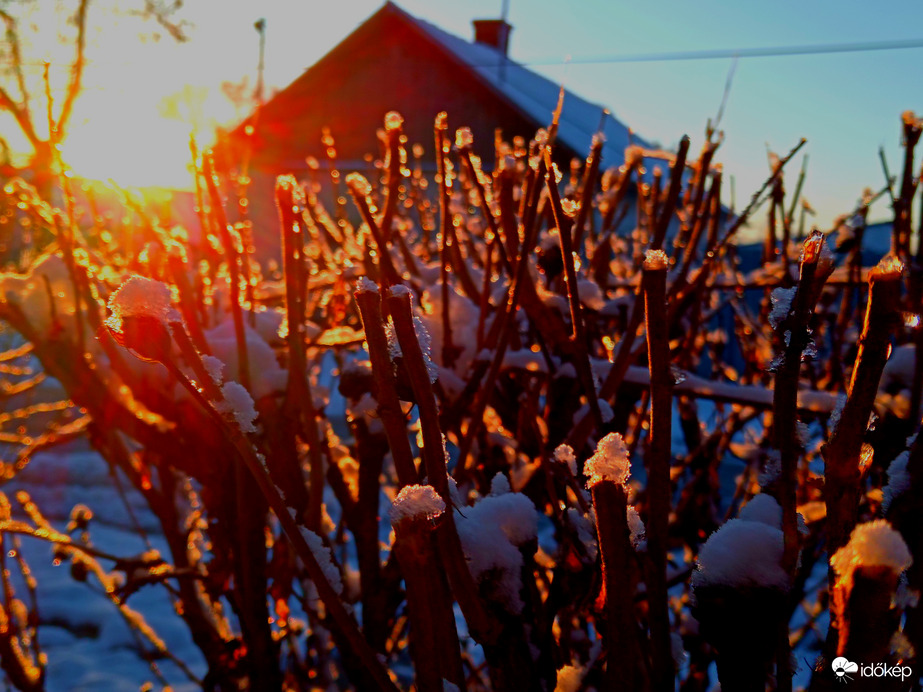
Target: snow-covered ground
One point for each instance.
(88, 642)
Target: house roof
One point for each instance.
(534, 95)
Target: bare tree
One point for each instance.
(16, 98)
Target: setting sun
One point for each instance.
(135, 131)
(151, 153)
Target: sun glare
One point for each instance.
(134, 117)
(154, 153)
(137, 139)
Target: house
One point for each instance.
(397, 62)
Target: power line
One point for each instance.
(764, 52)
(666, 56)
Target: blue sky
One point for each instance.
(845, 104)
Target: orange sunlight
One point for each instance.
(133, 119)
(151, 153)
(126, 135)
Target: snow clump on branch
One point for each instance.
(609, 462)
(874, 544)
(238, 403)
(415, 501)
(140, 297)
(742, 554)
(491, 534)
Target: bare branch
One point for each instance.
(21, 114)
(12, 37)
(73, 88)
(156, 10)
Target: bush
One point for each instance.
(509, 430)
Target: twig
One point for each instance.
(570, 275)
(653, 282)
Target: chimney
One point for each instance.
(493, 32)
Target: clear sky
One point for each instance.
(845, 104)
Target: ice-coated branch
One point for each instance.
(842, 452)
(389, 406)
(570, 275)
(653, 283)
(587, 187)
(233, 260)
(483, 627)
(434, 645)
(816, 265)
(360, 190)
(607, 471)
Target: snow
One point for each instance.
(872, 544)
(215, 368)
(266, 376)
(656, 259)
(635, 526)
(415, 501)
(367, 408)
(591, 294)
(394, 346)
(538, 96)
(238, 403)
(816, 250)
(268, 325)
(834, 420)
(889, 268)
(564, 454)
(140, 297)
(89, 645)
(566, 370)
(609, 462)
(499, 485)
(781, 305)
(764, 509)
(366, 285)
(524, 359)
(898, 372)
(491, 532)
(586, 529)
(898, 479)
(677, 650)
(742, 554)
(324, 558)
(463, 318)
(425, 346)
